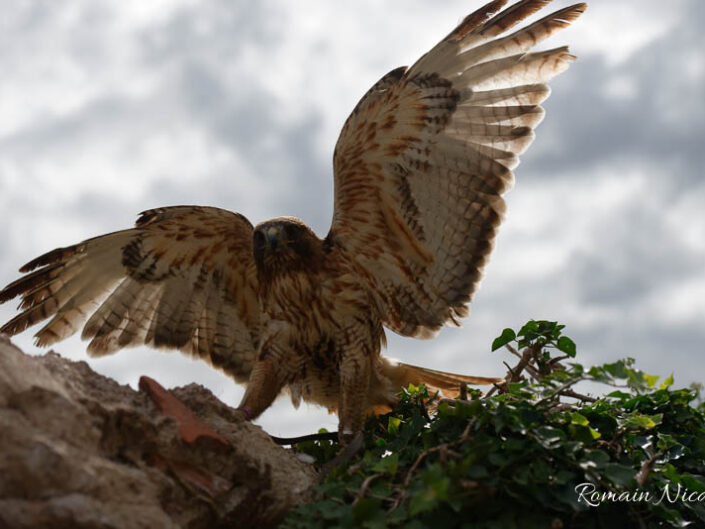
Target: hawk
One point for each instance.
(420, 168)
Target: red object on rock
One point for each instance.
(191, 428)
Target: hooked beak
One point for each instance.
(272, 237)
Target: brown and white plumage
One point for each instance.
(184, 277)
(420, 168)
(423, 160)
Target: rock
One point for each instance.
(79, 450)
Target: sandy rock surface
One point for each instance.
(80, 450)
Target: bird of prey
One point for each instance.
(420, 168)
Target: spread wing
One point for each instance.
(184, 277)
(422, 162)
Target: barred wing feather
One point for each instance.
(423, 160)
(184, 278)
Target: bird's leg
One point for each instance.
(355, 373)
(265, 383)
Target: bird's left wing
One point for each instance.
(183, 278)
(422, 162)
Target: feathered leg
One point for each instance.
(355, 375)
(265, 383)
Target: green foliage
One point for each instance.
(542, 333)
(521, 456)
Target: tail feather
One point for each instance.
(448, 383)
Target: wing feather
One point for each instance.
(183, 278)
(422, 162)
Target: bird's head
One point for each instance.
(285, 244)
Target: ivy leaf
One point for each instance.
(594, 433)
(645, 441)
(367, 509)
(530, 328)
(549, 437)
(434, 491)
(617, 369)
(639, 421)
(620, 475)
(387, 465)
(577, 418)
(651, 380)
(595, 459)
(566, 345)
(616, 394)
(692, 483)
(423, 501)
(503, 339)
(393, 425)
(584, 434)
(667, 383)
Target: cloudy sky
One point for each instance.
(110, 108)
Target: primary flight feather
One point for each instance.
(420, 168)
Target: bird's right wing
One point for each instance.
(184, 277)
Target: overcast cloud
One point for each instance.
(110, 108)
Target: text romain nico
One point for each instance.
(589, 495)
